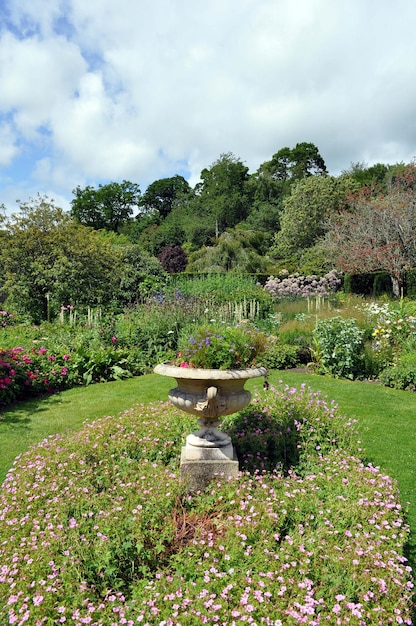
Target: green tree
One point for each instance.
(157, 236)
(142, 274)
(223, 192)
(48, 260)
(236, 250)
(161, 195)
(294, 164)
(306, 211)
(107, 207)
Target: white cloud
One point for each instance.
(140, 90)
(8, 148)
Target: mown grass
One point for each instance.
(386, 420)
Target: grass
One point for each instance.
(386, 420)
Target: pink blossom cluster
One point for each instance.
(21, 371)
(98, 529)
(6, 318)
(298, 286)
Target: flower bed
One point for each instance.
(98, 529)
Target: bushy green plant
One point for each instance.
(42, 370)
(24, 374)
(288, 428)
(98, 528)
(281, 355)
(230, 347)
(216, 289)
(338, 347)
(403, 374)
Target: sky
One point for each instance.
(96, 91)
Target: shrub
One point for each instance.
(288, 428)
(339, 345)
(281, 356)
(225, 288)
(173, 259)
(97, 528)
(402, 375)
(224, 348)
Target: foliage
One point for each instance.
(377, 177)
(402, 375)
(173, 259)
(142, 275)
(157, 236)
(215, 289)
(297, 163)
(108, 207)
(378, 233)
(286, 428)
(338, 347)
(306, 212)
(226, 348)
(28, 373)
(223, 192)
(265, 217)
(235, 250)
(115, 538)
(280, 356)
(161, 195)
(48, 260)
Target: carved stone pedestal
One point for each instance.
(210, 394)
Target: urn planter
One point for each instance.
(209, 394)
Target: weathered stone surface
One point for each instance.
(198, 474)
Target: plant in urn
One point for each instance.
(211, 370)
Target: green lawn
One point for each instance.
(386, 420)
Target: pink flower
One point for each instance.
(42, 350)
(113, 339)
(66, 357)
(184, 364)
(64, 371)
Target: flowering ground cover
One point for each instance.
(98, 528)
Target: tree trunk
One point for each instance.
(396, 286)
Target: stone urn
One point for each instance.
(209, 394)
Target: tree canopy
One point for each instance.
(107, 207)
(161, 195)
(295, 163)
(378, 233)
(307, 209)
(48, 260)
(223, 192)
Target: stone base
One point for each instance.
(199, 473)
(211, 453)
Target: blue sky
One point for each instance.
(137, 90)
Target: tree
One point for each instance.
(142, 274)
(48, 260)
(107, 207)
(161, 195)
(173, 259)
(236, 250)
(294, 164)
(378, 233)
(306, 211)
(223, 192)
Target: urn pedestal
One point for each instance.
(209, 394)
